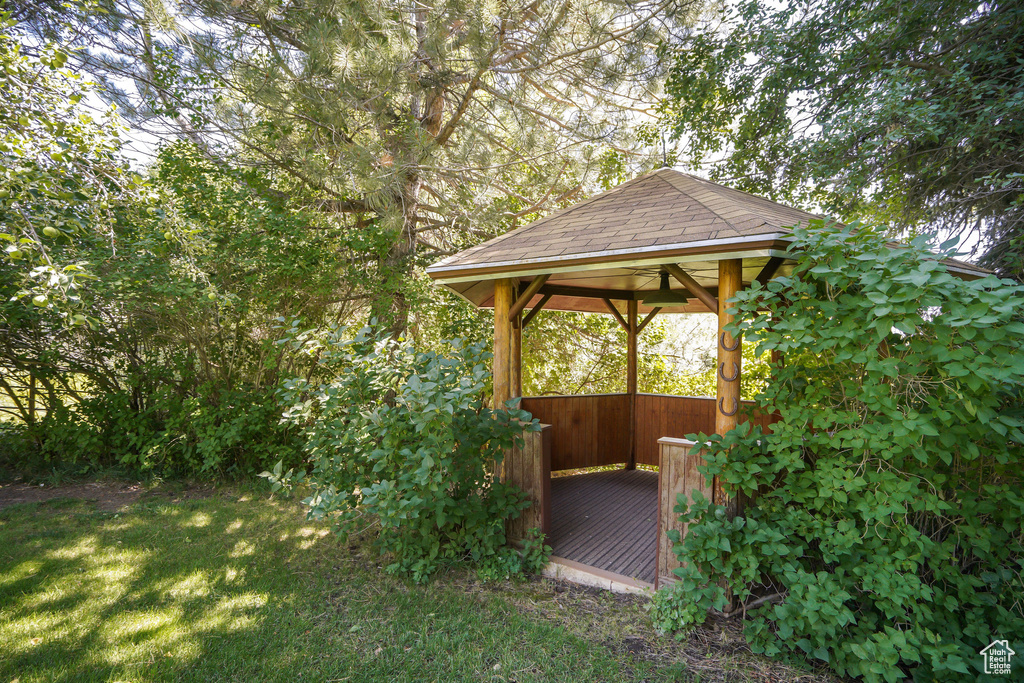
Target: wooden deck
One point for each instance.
(607, 520)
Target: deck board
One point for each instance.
(607, 520)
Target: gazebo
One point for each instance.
(608, 254)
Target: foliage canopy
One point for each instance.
(63, 176)
(418, 127)
(889, 509)
(906, 114)
(178, 340)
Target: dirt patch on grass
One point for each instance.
(109, 496)
(715, 652)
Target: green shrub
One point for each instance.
(173, 367)
(226, 431)
(889, 521)
(509, 563)
(404, 437)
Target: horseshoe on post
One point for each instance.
(735, 371)
(736, 344)
(735, 407)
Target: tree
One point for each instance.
(63, 176)
(905, 114)
(181, 335)
(421, 127)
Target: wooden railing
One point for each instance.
(529, 467)
(594, 430)
(677, 473)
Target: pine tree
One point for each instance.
(422, 127)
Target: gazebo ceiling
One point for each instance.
(614, 244)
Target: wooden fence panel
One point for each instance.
(660, 415)
(593, 430)
(587, 431)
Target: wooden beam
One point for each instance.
(769, 270)
(613, 294)
(588, 292)
(649, 318)
(631, 335)
(536, 309)
(696, 289)
(730, 358)
(527, 294)
(615, 312)
(503, 290)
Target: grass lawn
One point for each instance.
(238, 587)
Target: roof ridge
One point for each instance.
(770, 204)
(674, 175)
(759, 198)
(585, 202)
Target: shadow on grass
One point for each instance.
(231, 589)
(221, 589)
(87, 595)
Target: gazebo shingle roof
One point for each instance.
(613, 246)
(661, 209)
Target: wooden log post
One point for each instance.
(515, 359)
(730, 358)
(527, 467)
(677, 473)
(503, 298)
(632, 332)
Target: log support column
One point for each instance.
(632, 332)
(515, 360)
(503, 298)
(730, 358)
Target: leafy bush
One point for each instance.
(174, 366)
(889, 517)
(509, 563)
(404, 436)
(228, 431)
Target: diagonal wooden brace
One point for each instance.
(527, 294)
(615, 312)
(535, 310)
(649, 318)
(686, 281)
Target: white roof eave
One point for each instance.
(571, 262)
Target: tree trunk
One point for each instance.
(391, 306)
